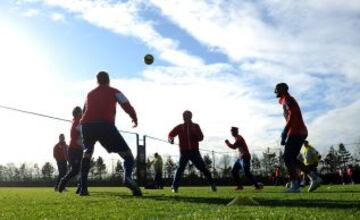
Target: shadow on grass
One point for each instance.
(337, 191)
(328, 204)
(309, 203)
(178, 198)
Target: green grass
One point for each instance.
(336, 202)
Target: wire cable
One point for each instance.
(34, 113)
(49, 116)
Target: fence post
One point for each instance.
(141, 160)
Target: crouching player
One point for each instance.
(311, 161)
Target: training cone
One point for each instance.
(242, 200)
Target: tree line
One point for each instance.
(263, 165)
(33, 172)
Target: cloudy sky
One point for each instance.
(219, 59)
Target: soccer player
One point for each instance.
(157, 162)
(293, 135)
(349, 172)
(311, 160)
(75, 151)
(60, 155)
(189, 135)
(98, 124)
(341, 175)
(243, 162)
(277, 175)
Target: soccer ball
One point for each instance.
(148, 59)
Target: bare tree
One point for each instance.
(36, 171)
(225, 165)
(100, 167)
(269, 161)
(207, 161)
(331, 161)
(47, 170)
(92, 170)
(344, 155)
(256, 164)
(119, 169)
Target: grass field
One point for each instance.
(335, 202)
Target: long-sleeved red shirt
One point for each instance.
(295, 125)
(101, 102)
(241, 145)
(189, 135)
(60, 151)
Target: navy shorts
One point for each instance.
(107, 134)
(292, 147)
(75, 155)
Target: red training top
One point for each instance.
(241, 145)
(189, 134)
(60, 151)
(294, 122)
(349, 172)
(101, 102)
(277, 172)
(75, 136)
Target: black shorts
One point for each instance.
(293, 146)
(312, 167)
(75, 155)
(107, 134)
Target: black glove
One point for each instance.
(283, 142)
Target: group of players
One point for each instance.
(96, 122)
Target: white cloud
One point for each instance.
(305, 36)
(312, 46)
(213, 93)
(31, 13)
(337, 126)
(217, 98)
(123, 18)
(57, 17)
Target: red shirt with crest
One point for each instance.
(101, 103)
